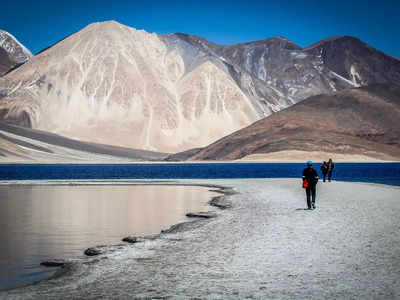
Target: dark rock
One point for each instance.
(53, 263)
(139, 239)
(131, 239)
(205, 215)
(93, 251)
(180, 227)
(220, 202)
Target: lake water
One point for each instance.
(39, 223)
(45, 222)
(388, 173)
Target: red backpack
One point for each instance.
(305, 184)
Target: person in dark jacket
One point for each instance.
(311, 176)
(330, 169)
(324, 170)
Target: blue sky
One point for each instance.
(38, 24)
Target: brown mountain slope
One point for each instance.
(19, 144)
(360, 121)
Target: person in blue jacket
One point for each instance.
(311, 176)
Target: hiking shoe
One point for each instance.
(313, 206)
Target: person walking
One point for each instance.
(310, 180)
(324, 170)
(331, 165)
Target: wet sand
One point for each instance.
(265, 247)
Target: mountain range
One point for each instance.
(177, 93)
(359, 122)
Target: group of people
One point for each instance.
(327, 168)
(310, 180)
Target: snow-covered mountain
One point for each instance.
(113, 84)
(12, 52)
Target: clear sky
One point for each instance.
(38, 24)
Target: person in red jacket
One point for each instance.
(324, 170)
(311, 176)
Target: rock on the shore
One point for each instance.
(203, 214)
(93, 251)
(131, 239)
(220, 202)
(54, 263)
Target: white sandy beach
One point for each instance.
(265, 247)
(316, 156)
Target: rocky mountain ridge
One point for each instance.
(112, 84)
(12, 53)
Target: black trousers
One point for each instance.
(329, 175)
(310, 193)
(324, 176)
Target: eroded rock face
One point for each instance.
(112, 84)
(12, 52)
(116, 85)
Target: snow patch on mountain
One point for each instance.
(355, 76)
(10, 43)
(345, 79)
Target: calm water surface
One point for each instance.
(388, 173)
(46, 222)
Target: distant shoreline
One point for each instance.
(187, 162)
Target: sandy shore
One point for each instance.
(316, 156)
(265, 247)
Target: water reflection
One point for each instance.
(43, 222)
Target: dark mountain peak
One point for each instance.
(278, 41)
(356, 61)
(334, 40)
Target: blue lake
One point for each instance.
(34, 228)
(387, 173)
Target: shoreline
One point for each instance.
(158, 182)
(65, 265)
(240, 161)
(283, 156)
(267, 229)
